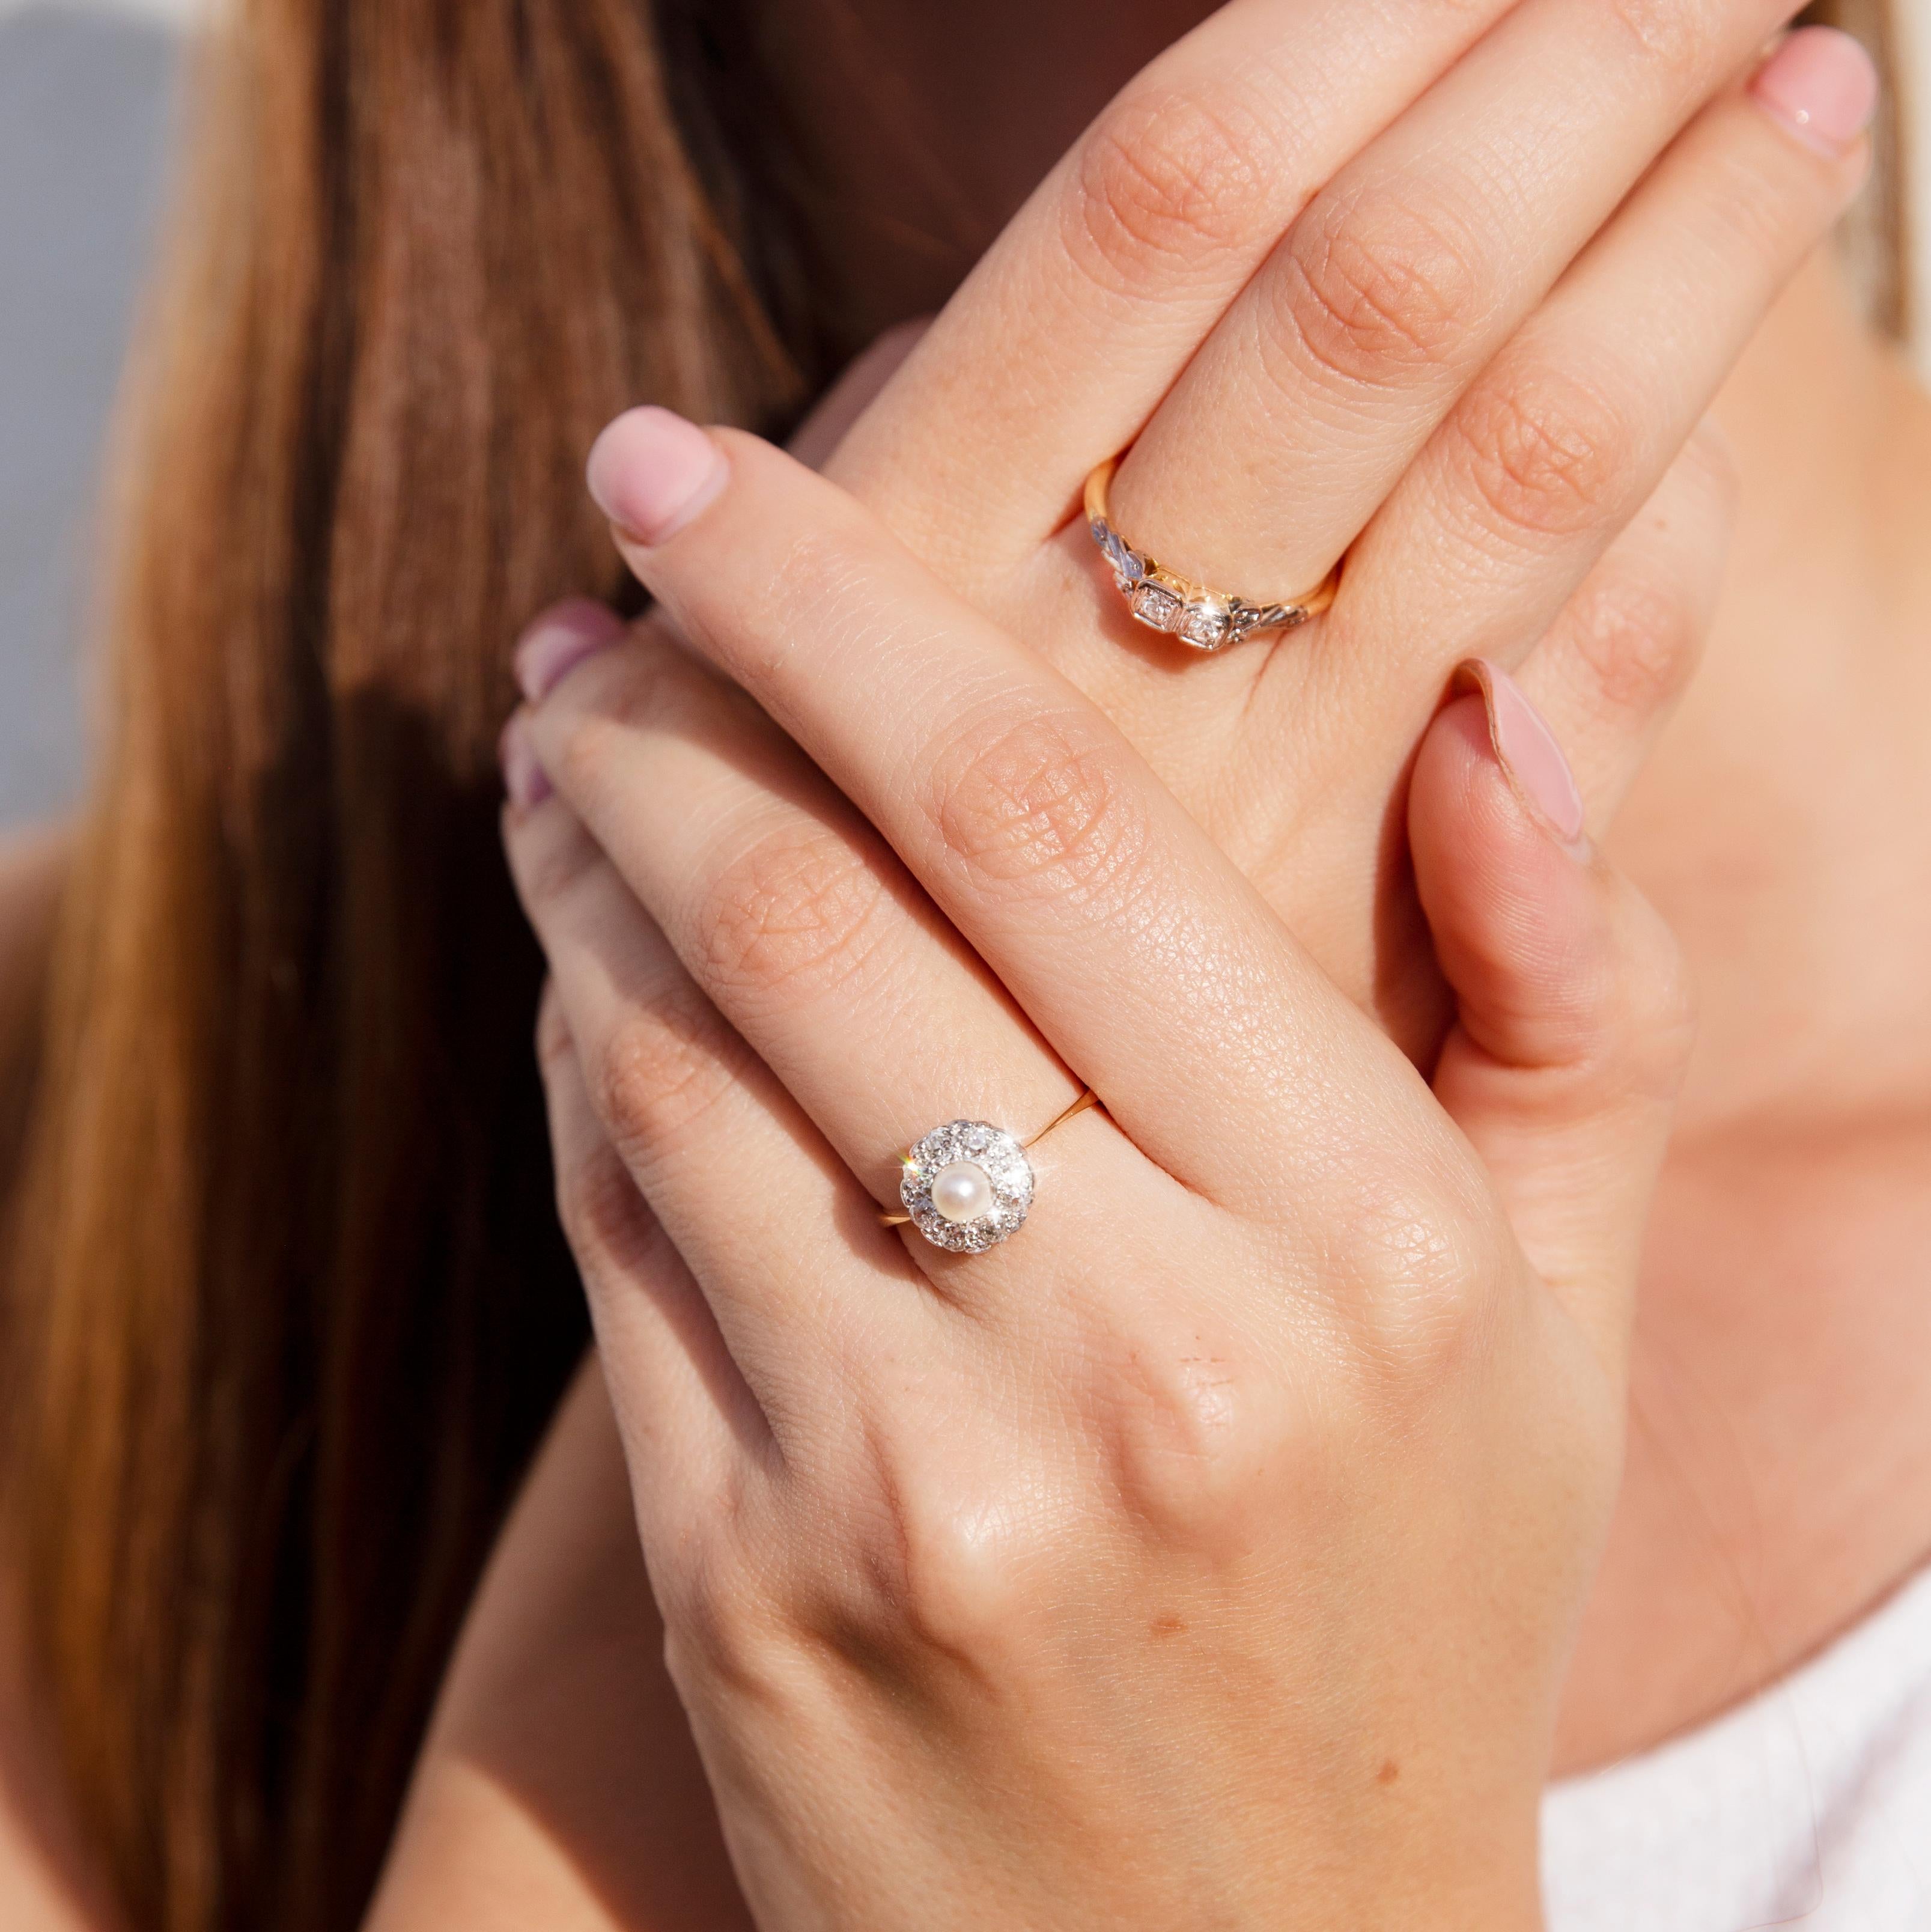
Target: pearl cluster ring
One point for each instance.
(967, 1185)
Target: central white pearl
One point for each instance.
(963, 1192)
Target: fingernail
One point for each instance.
(559, 640)
(524, 779)
(651, 471)
(1822, 85)
(1526, 749)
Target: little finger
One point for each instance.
(1609, 673)
(1570, 430)
(684, 1405)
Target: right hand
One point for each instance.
(1398, 364)
(1320, 1367)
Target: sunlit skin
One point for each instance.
(1779, 1477)
(1779, 1472)
(1775, 1486)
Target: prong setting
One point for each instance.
(967, 1186)
(1161, 600)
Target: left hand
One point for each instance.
(1209, 1553)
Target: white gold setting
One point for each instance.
(1163, 600)
(967, 1186)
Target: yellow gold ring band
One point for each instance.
(1163, 600)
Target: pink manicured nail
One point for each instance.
(1822, 85)
(1526, 749)
(559, 640)
(651, 471)
(524, 779)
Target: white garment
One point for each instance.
(1809, 1806)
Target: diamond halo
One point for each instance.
(997, 1155)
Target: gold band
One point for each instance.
(1087, 1100)
(1163, 600)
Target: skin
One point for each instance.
(1191, 1512)
(578, 778)
(1696, 1602)
(1778, 1482)
(1765, 1505)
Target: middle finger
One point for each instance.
(1406, 274)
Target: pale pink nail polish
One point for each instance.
(651, 472)
(559, 640)
(1526, 750)
(1822, 85)
(524, 780)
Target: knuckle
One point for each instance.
(1610, 1008)
(1185, 1431)
(955, 1583)
(792, 916)
(1378, 287)
(1545, 455)
(1639, 624)
(1664, 32)
(633, 693)
(1176, 176)
(1417, 1287)
(817, 582)
(930, 1568)
(1040, 804)
(661, 1069)
(1637, 637)
(718, 1600)
(555, 858)
(606, 1221)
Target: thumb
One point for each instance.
(1573, 1024)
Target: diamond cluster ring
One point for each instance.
(1162, 600)
(967, 1186)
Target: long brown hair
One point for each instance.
(298, 1305)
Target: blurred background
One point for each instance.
(86, 96)
(85, 91)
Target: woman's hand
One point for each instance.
(1207, 1553)
(1467, 334)
(1086, 316)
